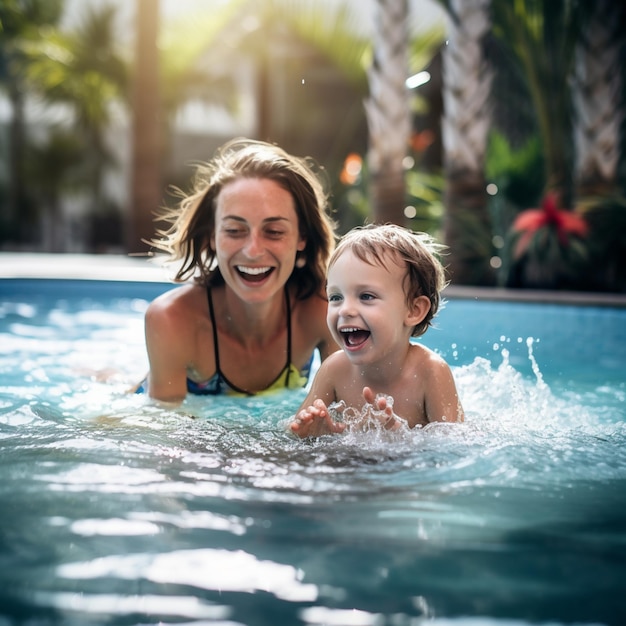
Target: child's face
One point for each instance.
(368, 314)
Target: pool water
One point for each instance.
(114, 511)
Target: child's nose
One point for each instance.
(347, 308)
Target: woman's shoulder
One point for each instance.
(184, 301)
(310, 318)
(310, 308)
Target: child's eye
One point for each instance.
(367, 296)
(334, 297)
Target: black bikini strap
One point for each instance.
(216, 349)
(288, 336)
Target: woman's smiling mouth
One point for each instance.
(254, 274)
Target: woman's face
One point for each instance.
(256, 237)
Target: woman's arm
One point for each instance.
(168, 345)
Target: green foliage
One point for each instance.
(606, 217)
(187, 43)
(518, 173)
(57, 164)
(425, 194)
(542, 35)
(20, 18)
(80, 68)
(20, 21)
(423, 47)
(331, 32)
(549, 262)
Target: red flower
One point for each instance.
(565, 223)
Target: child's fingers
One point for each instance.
(319, 404)
(368, 395)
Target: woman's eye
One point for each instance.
(274, 234)
(234, 232)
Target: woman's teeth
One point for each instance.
(254, 273)
(253, 270)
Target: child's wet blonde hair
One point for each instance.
(379, 244)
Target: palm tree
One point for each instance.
(597, 91)
(54, 169)
(289, 41)
(20, 21)
(465, 128)
(542, 35)
(388, 112)
(146, 125)
(291, 45)
(81, 71)
(305, 62)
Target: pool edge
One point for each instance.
(124, 268)
(580, 298)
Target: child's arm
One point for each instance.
(313, 418)
(442, 401)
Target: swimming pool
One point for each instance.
(113, 511)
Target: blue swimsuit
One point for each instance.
(289, 378)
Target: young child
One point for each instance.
(383, 287)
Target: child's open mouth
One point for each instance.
(354, 337)
(254, 274)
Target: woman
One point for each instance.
(255, 238)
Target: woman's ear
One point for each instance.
(418, 310)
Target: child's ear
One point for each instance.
(418, 311)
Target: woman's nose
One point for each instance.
(254, 246)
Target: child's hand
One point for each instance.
(315, 420)
(382, 410)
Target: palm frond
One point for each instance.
(332, 31)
